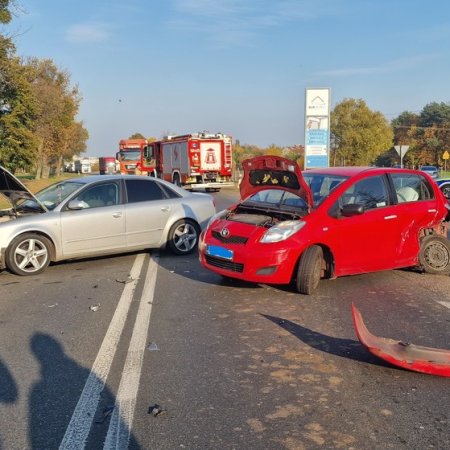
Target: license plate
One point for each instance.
(219, 252)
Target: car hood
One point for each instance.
(273, 172)
(14, 190)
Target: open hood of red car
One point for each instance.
(273, 172)
(14, 190)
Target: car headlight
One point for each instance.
(282, 231)
(219, 215)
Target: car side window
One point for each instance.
(105, 194)
(143, 190)
(370, 192)
(411, 187)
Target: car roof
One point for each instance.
(350, 171)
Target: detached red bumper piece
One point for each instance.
(428, 360)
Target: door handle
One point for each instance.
(117, 214)
(393, 216)
(165, 208)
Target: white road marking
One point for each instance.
(446, 304)
(83, 415)
(118, 436)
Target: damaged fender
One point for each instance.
(428, 360)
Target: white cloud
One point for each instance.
(238, 22)
(397, 65)
(88, 33)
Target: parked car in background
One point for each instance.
(430, 170)
(324, 223)
(444, 186)
(96, 215)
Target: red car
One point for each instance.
(326, 223)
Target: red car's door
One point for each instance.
(365, 242)
(417, 209)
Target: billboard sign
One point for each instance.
(317, 130)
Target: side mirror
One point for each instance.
(352, 209)
(77, 204)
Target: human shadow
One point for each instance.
(344, 348)
(54, 398)
(8, 388)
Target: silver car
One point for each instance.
(96, 215)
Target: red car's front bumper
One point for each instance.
(254, 262)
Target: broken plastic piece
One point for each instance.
(129, 279)
(152, 347)
(156, 410)
(94, 307)
(433, 361)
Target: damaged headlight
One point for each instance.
(282, 231)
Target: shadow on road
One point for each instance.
(54, 397)
(345, 348)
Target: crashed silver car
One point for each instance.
(96, 215)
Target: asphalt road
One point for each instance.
(86, 350)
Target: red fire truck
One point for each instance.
(195, 161)
(107, 165)
(129, 155)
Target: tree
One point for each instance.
(427, 134)
(137, 136)
(362, 134)
(54, 123)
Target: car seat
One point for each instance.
(407, 194)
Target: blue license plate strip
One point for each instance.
(219, 252)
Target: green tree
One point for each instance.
(137, 136)
(54, 123)
(274, 150)
(361, 134)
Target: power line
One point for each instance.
(423, 128)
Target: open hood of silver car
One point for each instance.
(14, 190)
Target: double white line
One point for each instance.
(122, 417)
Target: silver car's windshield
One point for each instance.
(52, 195)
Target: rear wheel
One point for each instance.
(28, 254)
(309, 270)
(434, 255)
(183, 237)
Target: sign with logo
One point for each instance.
(317, 132)
(446, 155)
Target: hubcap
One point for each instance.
(437, 256)
(185, 238)
(30, 255)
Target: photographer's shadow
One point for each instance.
(54, 398)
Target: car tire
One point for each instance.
(28, 254)
(183, 237)
(309, 270)
(434, 255)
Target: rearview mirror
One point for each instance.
(352, 209)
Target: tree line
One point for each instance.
(38, 109)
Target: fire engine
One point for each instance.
(194, 161)
(129, 155)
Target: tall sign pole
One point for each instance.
(317, 131)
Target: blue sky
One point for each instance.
(236, 66)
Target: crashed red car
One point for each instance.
(299, 227)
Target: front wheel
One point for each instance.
(28, 254)
(183, 237)
(434, 255)
(309, 270)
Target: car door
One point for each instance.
(365, 242)
(147, 210)
(97, 225)
(416, 210)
